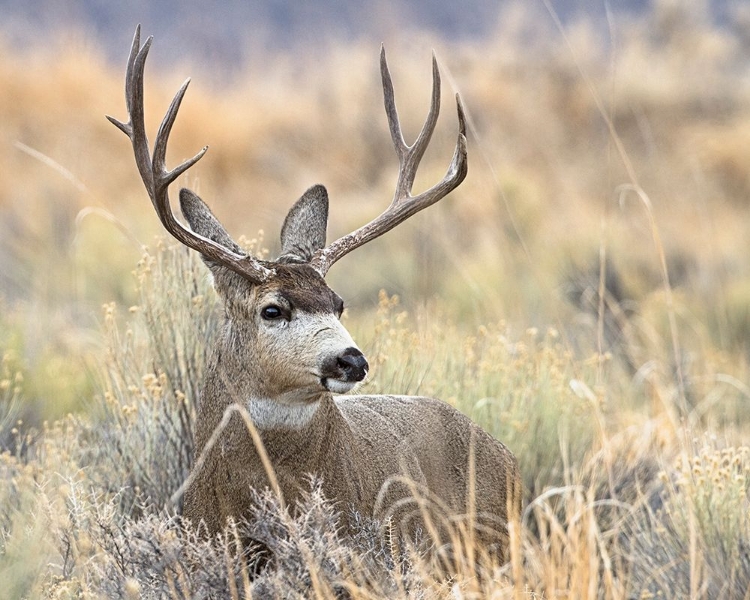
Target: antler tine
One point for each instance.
(156, 177)
(162, 136)
(409, 156)
(404, 205)
(127, 128)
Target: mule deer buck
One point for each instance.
(283, 354)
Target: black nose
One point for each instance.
(353, 364)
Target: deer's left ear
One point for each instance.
(304, 229)
(203, 222)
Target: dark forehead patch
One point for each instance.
(304, 289)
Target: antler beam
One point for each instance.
(157, 178)
(404, 205)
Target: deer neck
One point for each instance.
(298, 435)
(291, 410)
(282, 413)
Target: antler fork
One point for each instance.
(157, 178)
(404, 205)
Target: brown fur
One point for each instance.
(354, 443)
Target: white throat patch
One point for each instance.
(271, 414)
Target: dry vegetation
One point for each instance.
(593, 269)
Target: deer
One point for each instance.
(284, 356)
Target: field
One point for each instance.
(584, 296)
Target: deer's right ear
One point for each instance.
(304, 229)
(203, 222)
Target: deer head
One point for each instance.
(288, 311)
(284, 306)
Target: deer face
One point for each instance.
(300, 348)
(285, 326)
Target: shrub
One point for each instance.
(698, 538)
(141, 442)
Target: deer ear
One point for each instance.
(203, 222)
(304, 229)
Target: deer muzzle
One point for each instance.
(342, 372)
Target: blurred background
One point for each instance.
(607, 196)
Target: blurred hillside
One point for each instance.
(234, 32)
(221, 30)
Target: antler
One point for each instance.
(153, 169)
(404, 205)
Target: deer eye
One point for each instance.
(271, 312)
